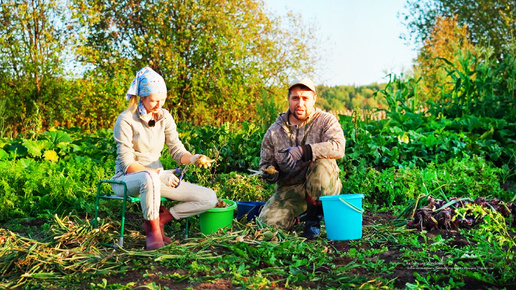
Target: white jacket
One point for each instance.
(136, 141)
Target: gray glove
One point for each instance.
(292, 156)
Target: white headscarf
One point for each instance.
(146, 82)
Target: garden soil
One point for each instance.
(402, 274)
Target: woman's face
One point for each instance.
(154, 102)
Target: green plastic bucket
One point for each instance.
(217, 218)
(343, 216)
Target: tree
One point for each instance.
(490, 23)
(217, 56)
(347, 98)
(446, 43)
(33, 49)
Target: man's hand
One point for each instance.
(292, 156)
(201, 161)
(169, 178)
(270, 174)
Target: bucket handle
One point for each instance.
(359, 210)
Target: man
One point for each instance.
(302, 145)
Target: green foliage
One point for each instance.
(420, 151)
(39, 188)
(34, 43)
(235, 186)
(269, 107)
(216, 56)
(458, 177)
(412, 137)
(3, 128)
(385, 162)
(233, 147)
(491, 23)
(69, 63)
(252, 256)
(412, 152)
(55, 173)
(493, 227)
(482, 87)
(347, 98)
(447, 41)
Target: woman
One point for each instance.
(140, 133)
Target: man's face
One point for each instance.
(154, 102)
(301, 102)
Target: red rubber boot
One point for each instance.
(154, 239)
(164, 217)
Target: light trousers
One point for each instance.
(194, 198)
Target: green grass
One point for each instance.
(65, 252)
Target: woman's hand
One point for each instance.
(201, 161)
(168, 177)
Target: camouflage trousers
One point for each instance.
(322, 178)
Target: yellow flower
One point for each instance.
(51, 155)
(405, 138)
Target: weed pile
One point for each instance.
(72, 253)
(458, 213)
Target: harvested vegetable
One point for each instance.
(204, 161)
(221, 203)
(270, 170)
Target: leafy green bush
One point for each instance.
(55, 172)
(31, 188)
(413, 136)
(459, 177)
(234, 147)
(235, 186)
(481, 86)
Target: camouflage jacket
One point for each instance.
(321, 131)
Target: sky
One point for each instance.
(363, 42)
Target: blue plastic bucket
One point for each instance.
(343, 216)
(250, 208)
